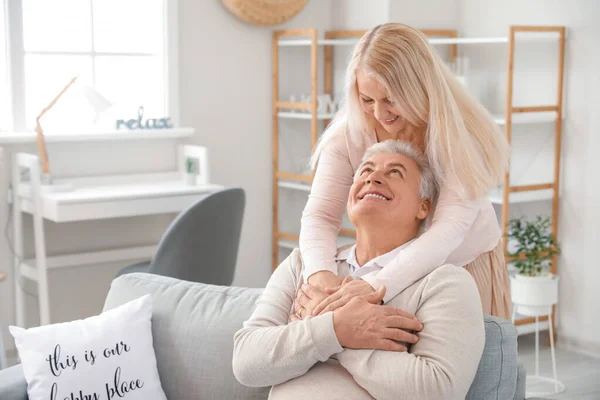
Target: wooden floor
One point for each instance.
(579, 373)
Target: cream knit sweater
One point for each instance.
(304, 360)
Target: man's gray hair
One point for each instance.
(428, 187)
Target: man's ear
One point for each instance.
(425, 209)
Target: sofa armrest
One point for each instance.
(497, 373)
(12, 384)
(521, 383)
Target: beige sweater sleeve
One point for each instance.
(443, 363)
(267, 350)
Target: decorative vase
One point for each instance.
(189, 178)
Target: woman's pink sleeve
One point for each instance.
(322, 216)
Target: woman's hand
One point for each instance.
(361, 324)
(341, 295)
(307, 298)
(324, 279)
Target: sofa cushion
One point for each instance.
(496, 376)
(13, 385)
(193, 326)
(108, 354)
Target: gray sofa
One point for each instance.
(193, 326)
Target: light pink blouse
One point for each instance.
(460, 230)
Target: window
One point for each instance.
(115, 47)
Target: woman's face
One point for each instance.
(376, 102)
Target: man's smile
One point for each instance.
(373, 194)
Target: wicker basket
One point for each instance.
(264, 12)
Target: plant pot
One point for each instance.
(532, 295)
(189, 179)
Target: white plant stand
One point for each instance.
(534, 297)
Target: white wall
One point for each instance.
(359, 14)
(579, 222)
(226, 94)
(425, 14)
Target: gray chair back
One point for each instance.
(201, 245)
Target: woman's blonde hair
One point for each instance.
(463, 143)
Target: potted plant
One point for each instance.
(190, 171)
(534, 286)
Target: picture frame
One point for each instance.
(193, 164)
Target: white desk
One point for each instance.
(92, 198)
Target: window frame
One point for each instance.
(16, 61)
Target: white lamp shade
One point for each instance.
(98, 102)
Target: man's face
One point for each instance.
(386, 188)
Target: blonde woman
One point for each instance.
(397, 87)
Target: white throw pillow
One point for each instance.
(108, 356)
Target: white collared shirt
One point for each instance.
(375, 264)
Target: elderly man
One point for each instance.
(360, 350)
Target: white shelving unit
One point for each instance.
(507, 194)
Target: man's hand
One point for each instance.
(361, 324)
(324, 279)
(307, 298)
(341, 295)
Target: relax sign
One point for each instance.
(160, 123)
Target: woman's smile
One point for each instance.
(390, 121)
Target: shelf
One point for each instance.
(287, 244)
(517, 119)
(95, 136)
(522, 197)
(302, 115)
(495, 196)
(527, 118)
(321, 42)
(530, 36)
(292, 244)
(305, 187)
(352, 42)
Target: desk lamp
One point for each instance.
(47, 179)
(98, 103)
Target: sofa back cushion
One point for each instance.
(192, 326)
